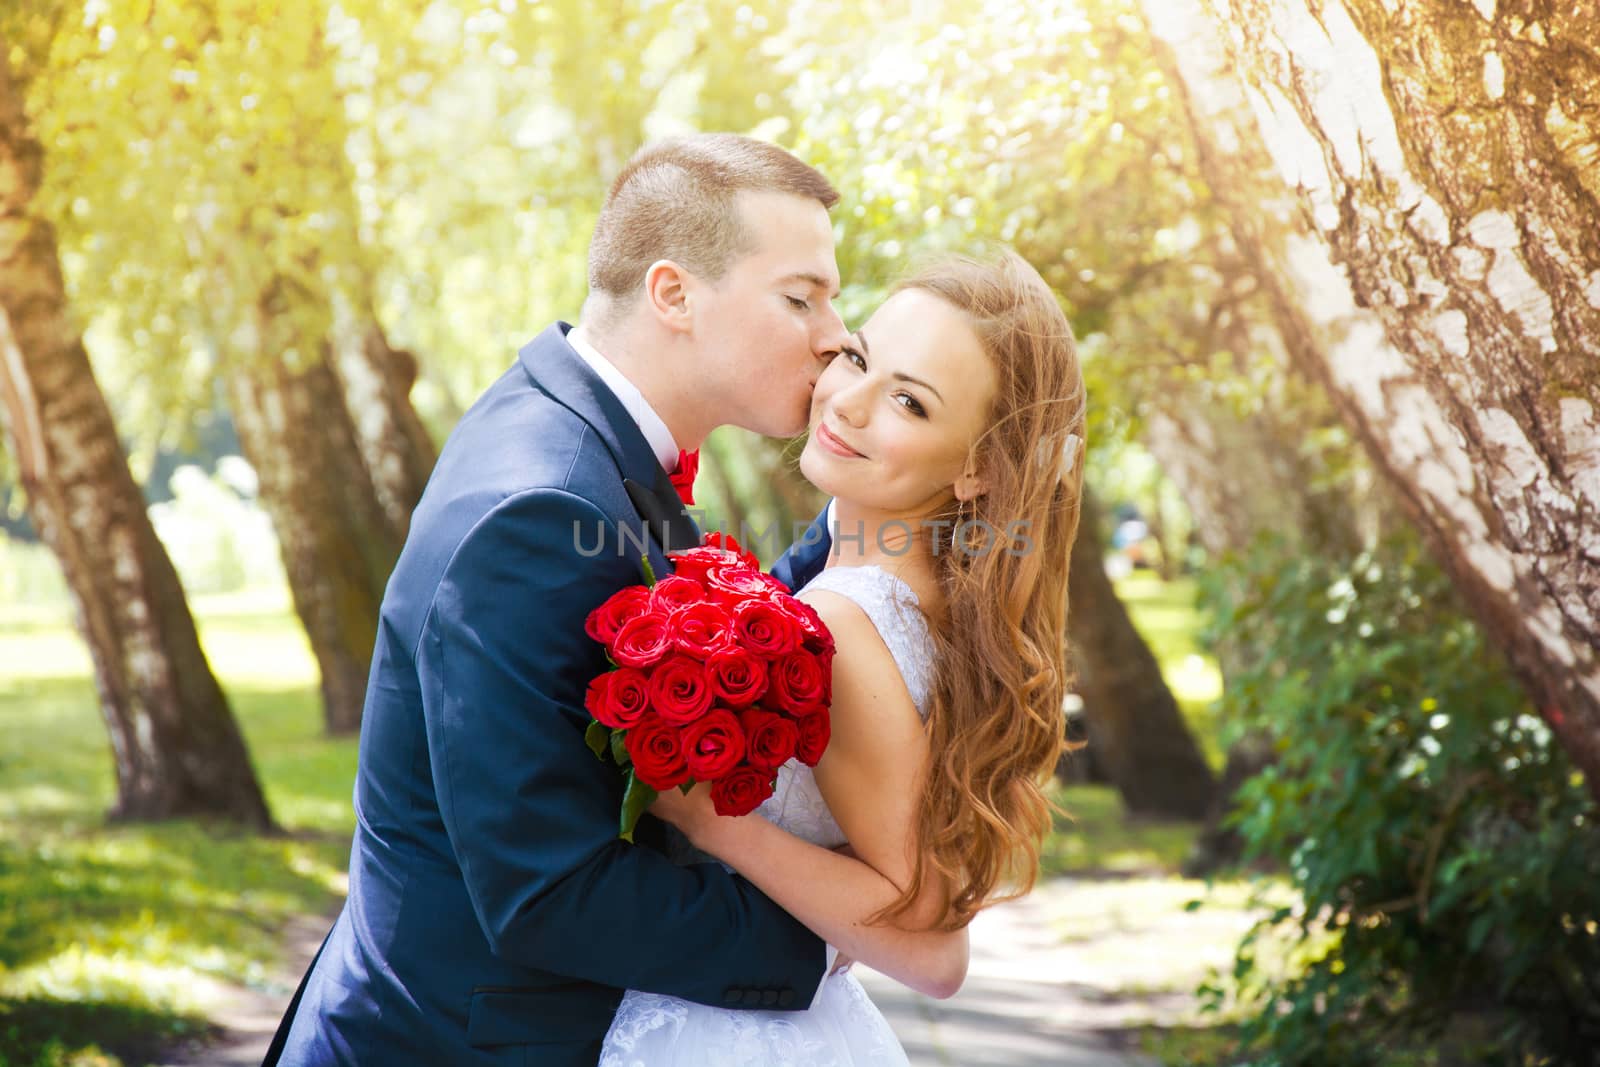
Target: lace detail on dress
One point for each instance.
(842, 1028)
(893, 608)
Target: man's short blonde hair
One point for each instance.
(675, 200)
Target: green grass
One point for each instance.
(1093, 837)
(113, 936)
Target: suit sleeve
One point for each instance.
(532, 814)
(802, 560)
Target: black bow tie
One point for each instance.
(663, 513)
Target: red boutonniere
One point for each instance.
(683, 477)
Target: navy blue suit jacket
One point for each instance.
(805, 559)
(493, 915)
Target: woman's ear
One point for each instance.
(970, 485)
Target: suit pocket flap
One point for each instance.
(535, 1017)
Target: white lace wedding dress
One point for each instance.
(842, 1027)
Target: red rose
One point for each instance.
(604, 621)
(741, 791)
(713, 745)
(734, 585)
(726, 542)
(799, 685)
(657, 755)
(737, 677)
(642, 640)
(675, 591)
(814, 733)
(701, 629)
(680, 689)
(764, 629)
(618, 698)
(816, 636)
(695, 563)
(770, 739)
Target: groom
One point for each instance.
(493, 916)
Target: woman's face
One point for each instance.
(894, 416)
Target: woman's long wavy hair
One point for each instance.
(996, 723)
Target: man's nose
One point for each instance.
(831, 335)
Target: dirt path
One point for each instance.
(1064, 976)
(249, 1015)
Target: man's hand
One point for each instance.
(692, 812)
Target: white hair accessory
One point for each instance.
(1048, 453)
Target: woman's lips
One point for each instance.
(834, 445)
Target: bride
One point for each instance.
(949, 436)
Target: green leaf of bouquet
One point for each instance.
(619, 751)
(649, 571)
(597, 737)
(634, 802)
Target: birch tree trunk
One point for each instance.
(377, 380)
(1446, 155)
(177, 749)
(338, 542)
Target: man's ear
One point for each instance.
(666, 292)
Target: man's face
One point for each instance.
(768, 325)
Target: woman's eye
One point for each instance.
(796, 303)
(911, 404)
(854, 357)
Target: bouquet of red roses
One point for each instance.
(718, 675)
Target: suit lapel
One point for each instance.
(663, 512)
(560, 372)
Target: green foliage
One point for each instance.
(1444, 848)
(219, 178)
(485, 137)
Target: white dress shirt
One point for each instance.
(655, 431)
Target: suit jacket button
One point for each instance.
(785, 998)
(769, 998)
(731, 995)
(752, 998)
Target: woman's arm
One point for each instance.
(870, 775)
(831, 894)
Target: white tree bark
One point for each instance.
(1446, 156)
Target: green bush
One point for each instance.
(1444, 849)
